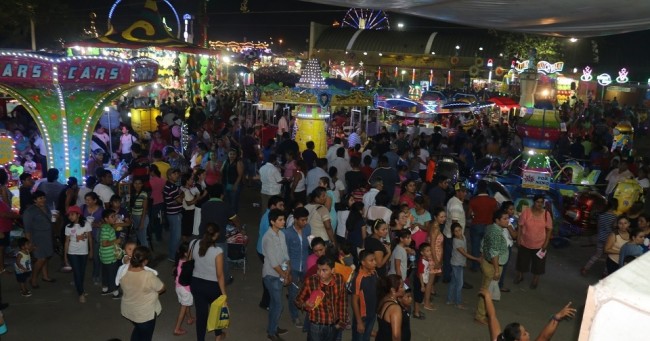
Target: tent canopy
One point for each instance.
(575, 18)
(504, 101)
(146, 30)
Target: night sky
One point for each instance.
(289, 20)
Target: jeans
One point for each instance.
(78, 264)
(97, 264)
(505, 268)
(488, 276)
(141, 233)
(294, 290)
(232, 197)
(369, 321)
(226, 264)
(143, 331)
(204, 292)
(109, 272)
(155, 216)
(476, 234)
(174, 234)
(456, 285)
(275, 307)
(265, 293)
(321, 332)
(446, 259)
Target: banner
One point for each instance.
(536, 180)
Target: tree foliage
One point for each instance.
(50, 17)
(518, 45)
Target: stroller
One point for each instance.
(237, 241)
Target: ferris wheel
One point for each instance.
(366, 19)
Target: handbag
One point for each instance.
(495, 291)
(185, 277)
(219, 316)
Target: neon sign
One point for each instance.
(604, 79)
(490, 62)
(542, 66)
(586, 74)
(622, 76)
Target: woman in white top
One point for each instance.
(140, 303)
(191, 196)
(78, 247)
(208, 282)
(126, 142)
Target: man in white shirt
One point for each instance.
(369, 197)
(455, 214)
(283, 125)
(340, 163)
(615, 176)
(103, 188)
(354, 138)
(271, 180)
(331, 152)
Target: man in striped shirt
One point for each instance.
(328, 314)
(173, 197)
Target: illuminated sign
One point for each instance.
(604, 79)
(586, 74)
(622, 76)
(542, 66)
(490, 62)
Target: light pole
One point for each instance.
(226, 61)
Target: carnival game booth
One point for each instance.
(313, 100)
(506, 106)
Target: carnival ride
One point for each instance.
(366, 19)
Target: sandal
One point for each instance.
(429, 308)
(190, 321)
(419, 317)
(49, 280)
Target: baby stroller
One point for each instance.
(237, 241)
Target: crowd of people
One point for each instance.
(362, 236)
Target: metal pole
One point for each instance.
(32, 25)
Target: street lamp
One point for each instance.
(403, 73)
(573, 40)
(400, 25)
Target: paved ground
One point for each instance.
(53, 312)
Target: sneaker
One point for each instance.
(26, 293)
(105, 292)
(282, 331)
(297, 323)
(117, 296)
(82, 298)
(274, 337)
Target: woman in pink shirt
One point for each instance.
(158, 205)
(535, 228)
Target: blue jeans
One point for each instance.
(97, 264)
(78, 264)
(174, 221)
(446, 259)
(294, 290)
(369, 321)
(456, 285)
(232, 197)
(320, 332)
(226, 264)
(141, 233)
(155, 216)
(476, 234)
(274, 285)
(143, 331)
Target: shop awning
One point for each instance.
(504, 102)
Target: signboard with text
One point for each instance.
(536, 180)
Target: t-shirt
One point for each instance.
(104, 192)
(421, 219)
(455, 211)
(532, 232)
(424, 268)
(365, 286)
(605, 225)
(126, 141)
(372, 244)
(140, 302)
(398, 253)
(170, 192)
(78, 238)
(205, 267)
(138, 203)
(163, 167)
(218, 212)
(107, 253)
(483, 208)
(457, 258)
(318, 215)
